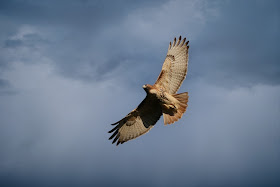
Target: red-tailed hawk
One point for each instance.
(162, 97)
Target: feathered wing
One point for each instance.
(138, 122)
(175, 66)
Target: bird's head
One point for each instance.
(147, 87)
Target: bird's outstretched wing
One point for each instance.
(175, 66)
(138, 122)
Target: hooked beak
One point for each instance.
(144, 86)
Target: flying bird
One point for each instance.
(161, 98)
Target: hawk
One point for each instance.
(161, 98)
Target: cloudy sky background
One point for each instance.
(68, 69)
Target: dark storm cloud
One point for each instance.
(72, 28)
(27, 40)
(6, 88)
(240, 48)
(4, 83)
(78, 14)
(78, 66)
(13, 43)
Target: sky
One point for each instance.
(69, 69)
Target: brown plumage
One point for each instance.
(161, 97)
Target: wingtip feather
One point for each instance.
(115, 128)
(115, 123)
(116, 138)
(174, 42)
(113, 135)
(179, 40)
(183, 42)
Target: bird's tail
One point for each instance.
(181, 106)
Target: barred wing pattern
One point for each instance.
(138, 122)
(175, 66)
